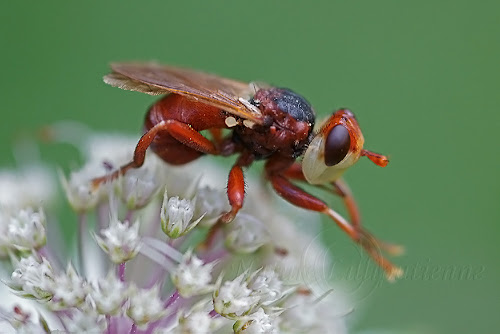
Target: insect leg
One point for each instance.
(301, 198)
(235, 193)
(180, 131)
(340, 187)
(294, 172)
(185, 134)
(216, 135)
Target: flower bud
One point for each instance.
(120, 240)
(192, 277)
(108, 294)
(69, 289)
(234, 298)
(176, 215)
(258, 322)
(145, 305)
(26, 229)
(33, 278)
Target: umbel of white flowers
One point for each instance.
(143, 263)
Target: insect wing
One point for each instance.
(154, 79)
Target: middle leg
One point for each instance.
(236, 187)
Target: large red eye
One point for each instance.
(337, 145)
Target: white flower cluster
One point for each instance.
(175, 269)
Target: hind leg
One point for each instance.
(182, 132)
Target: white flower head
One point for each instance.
(256, 323)
(158, 295)
(69, 290)
(121, 241)
(109, 294)
(246, 234)
(33, 278)
(26, 229)
(233, 298)
(192, 276)
(145, 306)
(176, 216)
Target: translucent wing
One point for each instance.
(155, 79)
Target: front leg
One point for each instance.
(294, 172)
(340, 188)
(303, 199)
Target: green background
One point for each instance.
(421, 76)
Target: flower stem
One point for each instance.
(121, 271)
(129, 216)
(133, 329)
(214, 314)
(82, 229)
(102, 215)
(172, 299)
(108, 320)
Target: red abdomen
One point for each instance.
(198, 115)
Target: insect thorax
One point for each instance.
(288, 124)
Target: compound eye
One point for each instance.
(337, 145)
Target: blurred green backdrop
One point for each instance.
(421, 76)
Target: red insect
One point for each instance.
(266, 123)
